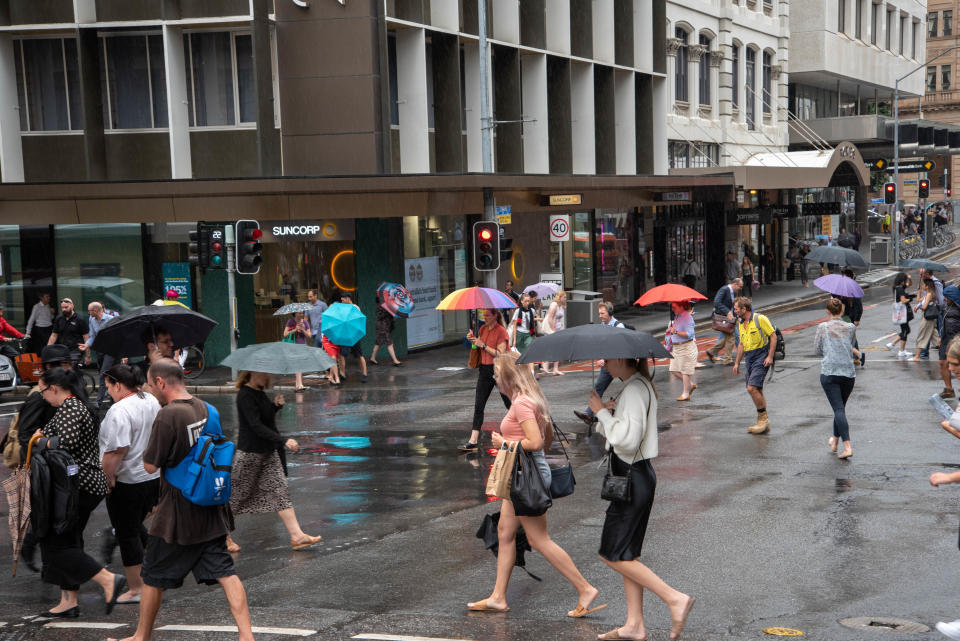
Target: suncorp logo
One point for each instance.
(296, 230)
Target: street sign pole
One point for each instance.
(486, 128)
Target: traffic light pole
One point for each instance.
(232, 294)
(486, 129)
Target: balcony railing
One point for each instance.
(940, 98)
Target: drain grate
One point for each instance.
(883, 624)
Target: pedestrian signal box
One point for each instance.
(248, 247)
(486, 246)
(923, 188)
(890, 193)
(198, 247)
(218, 245)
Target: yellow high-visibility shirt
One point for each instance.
(755, 333)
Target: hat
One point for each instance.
(171, 294)
(952, 292)
(54, 354)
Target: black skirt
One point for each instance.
(626, 523)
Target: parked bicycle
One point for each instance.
(192, 361)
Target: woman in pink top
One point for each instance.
(528, 421)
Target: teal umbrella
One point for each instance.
(279, 358)
(344, 324)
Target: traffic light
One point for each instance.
(506, 250)
(218, 246)
(248, 247)
(949, 191)
(486, 246)
(198, 248)
(890, 193)
(923, 188)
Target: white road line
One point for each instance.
(883, 338)
(293, 632)
(89, 625)
(400, 637)
(449, 369)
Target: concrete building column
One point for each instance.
(694, 52)
(471, 73)
(716, 60)
(11, 148)
(603, 31)
(625, 122)
(673, 45)
(661, 164)
(178, 117)
(536, 140)
(506, 20)
(582, 117)
(412, 99)
(643, 35)
(558, 26)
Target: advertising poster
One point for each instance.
(423, 282)
(176, 276)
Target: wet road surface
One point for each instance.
(765, 531)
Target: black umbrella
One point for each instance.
(924, 263)
(491, 540)
(591, 342)
(836, 256)
(121, 337)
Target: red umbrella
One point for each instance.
(669, 293)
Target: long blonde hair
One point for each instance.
(513, 378)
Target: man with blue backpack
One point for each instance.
(189, 530)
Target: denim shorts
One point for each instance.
(543, 467)
(754, 371)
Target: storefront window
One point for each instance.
(614, 255)
(11, 277)
(685, 241)
(582, 252)
(435, 264)
(102, 263)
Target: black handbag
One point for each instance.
(932, 312)
(561, 481)
(620, 488)
(528, 493)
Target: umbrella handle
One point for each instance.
(33, 439)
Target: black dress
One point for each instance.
(626, 523)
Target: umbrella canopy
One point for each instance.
(924, 263)
(160, 302)
(837, 256)
(543, 290)
(344, 324)
(293, 308)
(476, 298)
(590, 342)
(17, 489)
(839, 285)
(279, 358)
(120, 337)
(396, 299)
(669, 293)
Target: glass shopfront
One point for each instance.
(11, 277)
(616, 236)
(100, 263)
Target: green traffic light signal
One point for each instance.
(216, 261)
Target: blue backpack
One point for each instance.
(203, 476)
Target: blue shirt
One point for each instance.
(95, 324)
(314, 315)
(683, 323)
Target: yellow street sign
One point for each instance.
(880, 164)
(929, 165)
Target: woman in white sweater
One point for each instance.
(629, 424)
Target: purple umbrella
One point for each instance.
(839, 285)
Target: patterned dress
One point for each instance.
(74, 427)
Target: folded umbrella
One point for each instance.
(837, 256)
(491, 540)
(344, 324)
(396, 299)
(924, 263)
(669, 293)
(543, 290)
(591, 342)
(121, 336)
(17, 489)
(293, 308)
(839, 285)
(476, 298)
(279, 358)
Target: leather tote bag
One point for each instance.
(529, 495)
(562, 481)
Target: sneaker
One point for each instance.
(903, 354)
(589, 419)
(951, 629)
(947, 393)
(890, 346)
(468, 447)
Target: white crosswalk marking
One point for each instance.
(89, 625)
(293, 632)
(399, 637)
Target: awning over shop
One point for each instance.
(841, 166)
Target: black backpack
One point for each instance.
(54, 492)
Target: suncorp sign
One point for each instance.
(296, 230)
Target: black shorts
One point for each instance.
(353, 350)
(166, 565)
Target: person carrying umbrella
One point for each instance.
(605, 313)
(260, 465)
(384, 334)
(351, 350)
(491, 339)
(297, 330)
(834, 342)
(682, 337)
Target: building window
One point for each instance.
(948, 23)
(751, 82)
(841, 16)
(889, 43)
(220, 78)
(48, 84)
(705, 71)
(134, 82)
(767, 82)
(903, 35)
(735, 97)
(932, 24)
(858, 26)
(914, 39)
(931, 79)
(945, 78)
(683, 154)
(681, 75)
(875, 22)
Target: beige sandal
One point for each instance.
(481, 606)
(305, 543)
(579, 612)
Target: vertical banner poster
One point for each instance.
(176, 276)
(424, 326)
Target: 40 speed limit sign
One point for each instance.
(559, 227)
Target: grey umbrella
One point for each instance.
(591, 342)
(293, 308)
(924, 263)
(279, 358)
(836, 256)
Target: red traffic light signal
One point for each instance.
(486, 246)
(485, 234)
(248, 247)
(923, 188)
(890, 193)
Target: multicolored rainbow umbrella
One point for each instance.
(476, 298)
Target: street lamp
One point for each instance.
(895, 224)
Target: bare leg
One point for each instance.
(373, 354)
(556, 368)
(945, 375)
(687, 385)
(643, 576)
(634, 628)
(104, 578)
(150, 600)
(68, 599)
(757, 395)
(536, 529)
(299, 378)
(392, 353)
(134, 582)
(363, 365)
(333, 374)
(297, 535)
(342, 364)
(506, 555)
(237, 598)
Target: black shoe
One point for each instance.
(72, 613)
(469, 447)
(363, 379)
(586, 418)
(119, 585)
(863, 359)
(710, 356)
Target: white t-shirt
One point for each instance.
(128, 423)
